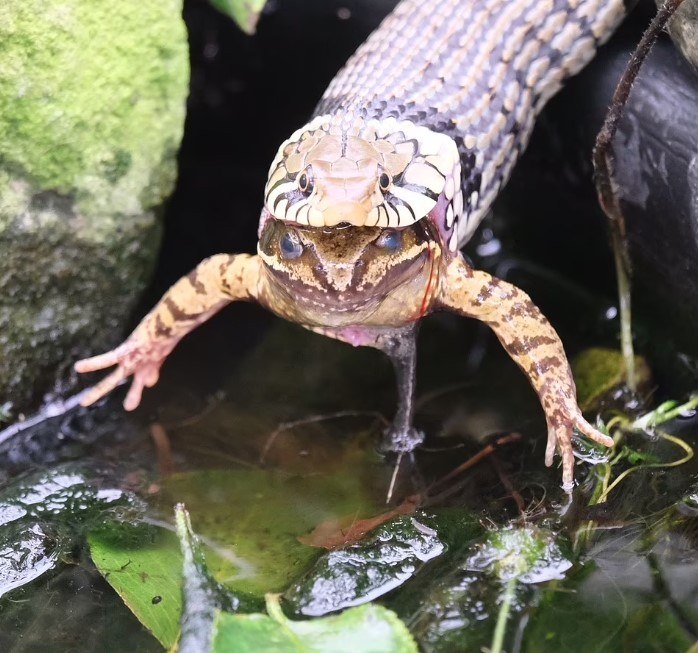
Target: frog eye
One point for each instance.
(306, 183)
(384, 181)
(290, 245)
(390, 239)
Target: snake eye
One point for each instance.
(384, 181)
(390, 239)
(305, 181)
(290, 245)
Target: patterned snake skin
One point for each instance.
(476, 71)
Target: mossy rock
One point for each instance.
(598, 371)
(92, 101)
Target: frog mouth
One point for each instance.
(357, 296)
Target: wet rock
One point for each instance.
(26, 553)
(359, 573)
(454, 608)
(91, 111)
(71, 492)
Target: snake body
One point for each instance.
(454, 88)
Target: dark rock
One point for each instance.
(551, 202)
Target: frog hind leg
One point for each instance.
(400, 345)
(532, 343)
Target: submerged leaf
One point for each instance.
(366, 629)
(333, 534)
(250, 520)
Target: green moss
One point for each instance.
(91, 94)
(598, 371)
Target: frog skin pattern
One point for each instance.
(367, 206)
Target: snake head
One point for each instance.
(364, 173)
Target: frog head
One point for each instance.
(334, 276)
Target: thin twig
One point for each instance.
(314, 419)
(606, 188)
(475, 459)
(163, 449)
(508, 486)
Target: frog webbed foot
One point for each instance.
(563, 417)
(138, 357)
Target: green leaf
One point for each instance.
(146, 572)
(244, 12)
(366, 629)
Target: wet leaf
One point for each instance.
(244, 12)
(67, 491)
(597, 371)
(143, 565)
(457, 606)
(27, 551)
(362, 572)
(366, 629)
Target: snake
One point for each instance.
(447, 94)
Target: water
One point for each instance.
(268, 433)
